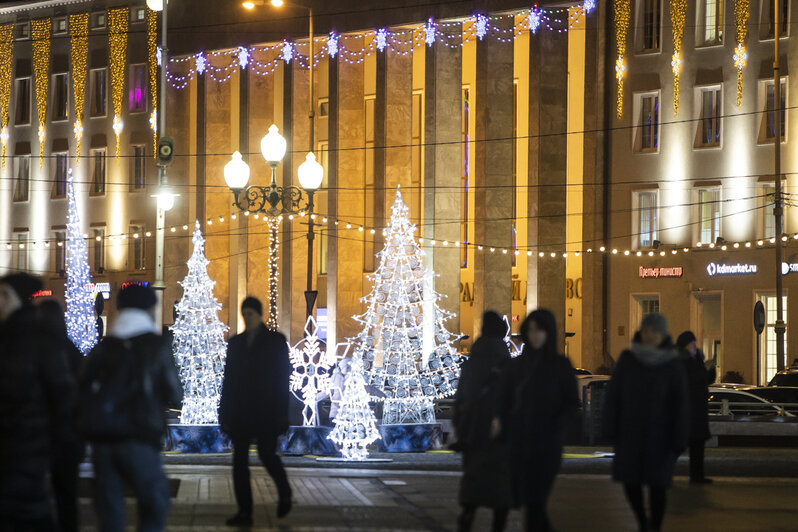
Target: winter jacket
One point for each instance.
(37, 397)
(646, 414)
(698, 381)
(487, 479)
(254, 401)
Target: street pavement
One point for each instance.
(418, 492)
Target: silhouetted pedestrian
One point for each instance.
(698, 381)
(254, 406)
(37, 397)
(487, 480)
(66, 457)
(129, 381)
(539, 398)
(646, 416)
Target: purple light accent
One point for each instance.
(382, 39)
(287, 52)
(430, 29)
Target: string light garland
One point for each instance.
(6, 54)
(117, 53)
(678, 11)
(623, 11)
(79, 40)
(274, 256)
(152, 70)
(740, 57)
(40, 32)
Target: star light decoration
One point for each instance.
(287, 52)
(312, 368)
(332, 44)
(406, 350)
(381, 39)
(481, 26)
(430, 29)
(355, 424)
(79, 317)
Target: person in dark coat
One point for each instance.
(539, 398)
(65, 458)
(646, 416)
(698, 381)
(254, 406)
(37, 397)
(487, 480)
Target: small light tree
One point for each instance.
(198, 344)
(355, 424)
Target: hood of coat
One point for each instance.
(131, 322)
(654, 356)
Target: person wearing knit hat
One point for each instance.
(16, 289)
(698, 380)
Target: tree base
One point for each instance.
(302, 440)
(196, 439)
(410, 437)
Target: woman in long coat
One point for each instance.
(646, 416)
(540, 398)
(486, 467)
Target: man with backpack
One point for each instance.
(129, 381)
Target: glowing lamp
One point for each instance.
(310, 173)
(155, 5)
(272, 146)
(236, 172)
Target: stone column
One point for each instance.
(332, 206)
(238, 227)
(284, 179)
(493, 176)
(441, 182)
(397, 128)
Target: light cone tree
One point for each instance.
(405, 348)
(198, 344)
(355, 424)
(80, 320)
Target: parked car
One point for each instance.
(788, 377)
(582, 371)
(784, 396)
(740, 403)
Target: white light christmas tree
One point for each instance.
(355, 424)
(80, 319)
(312, 365)
(396, 359)
(198, 344)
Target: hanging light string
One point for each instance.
(117, 53)
(623, 10)
(6, 55)
(740, 57)
(152, 70)
(678, 15)
(41, 72)
(79, 39)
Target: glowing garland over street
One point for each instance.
(274, 256)
(117, 52)
(312, 366)
(40, 32)
(199, 346)
(79, 31)
(406, 350)
(740, 57)
(6, 56)
(80, 321)
(355, 424)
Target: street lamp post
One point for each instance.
(778, 206)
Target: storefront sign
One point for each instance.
(713, 269)
(101, 288)
(673, 271)
(788, 268)
(42, 293)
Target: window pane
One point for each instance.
(98, 92)
(60, 97)
(60, 175)
(98, 172)
(23, 101)
(22, 183)
(137, 98)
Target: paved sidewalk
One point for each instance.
(337, 499)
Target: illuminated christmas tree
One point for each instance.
(355, 424)
(406, 350)
(80, 320)
(198, 344)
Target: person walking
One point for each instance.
(128, 382)
(254, 406)
(37, 396)
(646, 417)
(539, 398)
(698, 381)
(487, 480)
(65, 458)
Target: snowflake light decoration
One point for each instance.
(332, 44)
(4, 135)
(430, 29)
(588, 6)
(159, 56)
(42, 133)
(514, 346)
(287, 52)
(381, 39)
(740, 57)
(118, 125)
(199, 63)
(534, 20)
(676, 63)
(312, 367)
(77, 129)
(481, 26)
(620, 68)
(154, 120)
(243, 57)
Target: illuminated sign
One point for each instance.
(42, 293)
(788, 268)
(713, 269)
(101, 288)
(138, 283)
(673, 271)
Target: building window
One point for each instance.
(768, 127)
(768, 29)
(21, 251)
(97, 171)
(137, 14)
(60, 25)
(22, 101)
(22, 31)
(646, 218)
(98, 260)
(709, 214)
(323, 239)
(767, 197)
(652, 13)
(465, 175)
(709, 123)
(22, 181)
(137, 97)
(370, 207)
(648, 125)
(137, 246)
(99, 92)
(138, 167)
(59, 253)
(768, 362)
(642, 306)
(710, 22)
(97, 20)
(60, 174)
(60, 97)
